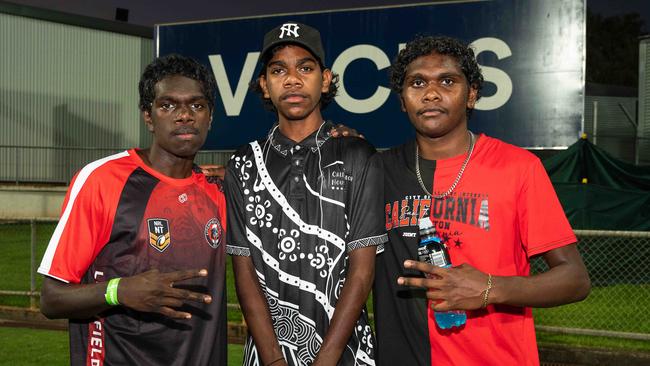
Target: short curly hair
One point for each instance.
(172, 65)
(254, 85)
(426, 45)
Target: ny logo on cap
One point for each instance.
(289, 29)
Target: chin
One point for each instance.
(187, 151)
(295, 116)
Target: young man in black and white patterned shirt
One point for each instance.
(305, 217)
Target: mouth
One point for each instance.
(431, 112)
(293, 97)
(185, 133)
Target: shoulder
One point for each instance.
(396, 154)
(244, 152)
(105, 171)
(209, 181)
(353, 147)
(498, 150)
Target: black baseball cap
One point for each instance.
(298, 33)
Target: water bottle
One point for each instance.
(433, 251)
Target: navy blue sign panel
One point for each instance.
(531, 54)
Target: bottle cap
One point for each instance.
(425, 223)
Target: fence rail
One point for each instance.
(34, 164)
(28, 164)
(617, 262)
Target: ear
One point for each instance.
(146, 116)
(472, 95)
(265, 90)
(210, 123)
(327, 80)
(401, 103)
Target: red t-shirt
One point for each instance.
(503, 211)
(120, 218)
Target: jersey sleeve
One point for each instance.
(365, 201)
(236, 242)
(542, 221)
(82, 231)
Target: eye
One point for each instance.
(447, 82)
(167, 107)
(418, 83)
(306, 68)
(197, 107)
(276, 70)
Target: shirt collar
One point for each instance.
(284, 145)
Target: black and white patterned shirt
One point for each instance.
(298, 210)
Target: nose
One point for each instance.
(292, 78)
(184, 113)
(431, 94)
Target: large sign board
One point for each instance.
(532, 55)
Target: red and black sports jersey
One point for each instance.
(120, 218)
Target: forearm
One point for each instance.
(149, 291)
(75, 301)
(565, 282)
(348, 308)
(255, 310)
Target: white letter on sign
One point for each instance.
(344, 99)
(233, 102)
(494, 75)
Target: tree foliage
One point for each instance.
(613, 48)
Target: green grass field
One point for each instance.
(22, 346)
(614, 308)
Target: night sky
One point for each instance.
(168, 11)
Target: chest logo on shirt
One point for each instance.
(213, 232)
(337, 178)
(159, 236)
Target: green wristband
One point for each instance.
(111, 292)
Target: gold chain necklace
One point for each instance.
(470, 149)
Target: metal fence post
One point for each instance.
(16, 164)
(32, 266)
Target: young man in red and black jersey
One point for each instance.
(493, 205)
(137, 260)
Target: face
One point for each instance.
(180, 116)
(436, 95)
(294, 82)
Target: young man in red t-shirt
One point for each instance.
(490, 202)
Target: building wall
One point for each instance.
(63, 86)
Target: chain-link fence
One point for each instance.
(618, 305)
(619, 302)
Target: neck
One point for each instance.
(298, 130)
(170, 165)
(448, 146)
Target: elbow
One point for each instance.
(46, 308)
(582, 286)
(48, 303)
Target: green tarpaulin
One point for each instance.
(600, 192)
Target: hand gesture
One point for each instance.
(456, 288)
(153, 291)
